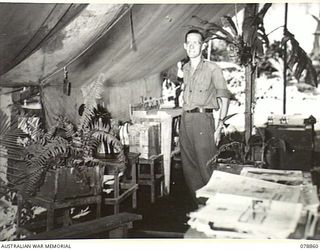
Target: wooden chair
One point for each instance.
(153, 176)
(123, 187)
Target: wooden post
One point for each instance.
(249, 32)
(285, 61)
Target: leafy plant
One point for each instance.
(62, 146)
(9, 134)
(244, 51)
(269, 148)
(235, 153)
(231, 151)
(65, 146)
(299, 60)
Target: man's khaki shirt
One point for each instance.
(203, 86)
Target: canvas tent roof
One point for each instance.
(120, 42)
(44, 38)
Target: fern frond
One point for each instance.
(86, 118)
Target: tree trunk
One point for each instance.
(249, 32)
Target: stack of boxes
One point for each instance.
(144, 138)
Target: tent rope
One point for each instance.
(133, 41)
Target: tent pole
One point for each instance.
(285, 60)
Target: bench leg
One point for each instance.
(67, 221)
(98, 215)
(116, 208)
(120, 232)
(134, 199)
(50, 219)
(153, 192)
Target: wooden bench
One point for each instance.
(116, 225)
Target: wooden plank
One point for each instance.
(121, 197)
(40, 201)
(162, 234)
(84, 229)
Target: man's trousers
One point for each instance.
(197, 147)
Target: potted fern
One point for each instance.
(64, 156)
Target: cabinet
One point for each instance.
(299, 142)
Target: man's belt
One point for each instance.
(200, 110)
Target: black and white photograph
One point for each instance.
(159, 121)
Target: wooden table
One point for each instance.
(129, 185)
(51, 206)
(165, 117)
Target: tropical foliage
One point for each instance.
(298, 60)
(9, 133)
(249, 46)
(65, 146)
(244, 49)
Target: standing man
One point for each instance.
(205, 91)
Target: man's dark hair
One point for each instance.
(193, 31)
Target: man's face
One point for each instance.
(193, 45)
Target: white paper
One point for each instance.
(222, 182)
(288, 177)
(259, 218)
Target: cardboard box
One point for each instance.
(144, 138)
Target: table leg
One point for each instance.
(166, 140)
(66, 218)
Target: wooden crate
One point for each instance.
(63, 183)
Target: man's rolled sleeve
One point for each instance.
(223, 93)
(220, 84)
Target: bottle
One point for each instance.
(270, 119)
(283, 120)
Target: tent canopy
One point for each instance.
(124, 42)
(124, 46)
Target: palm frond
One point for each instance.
(210, 28)
(228, 22)
(299, 60)
(9, 133)
(86, 118)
